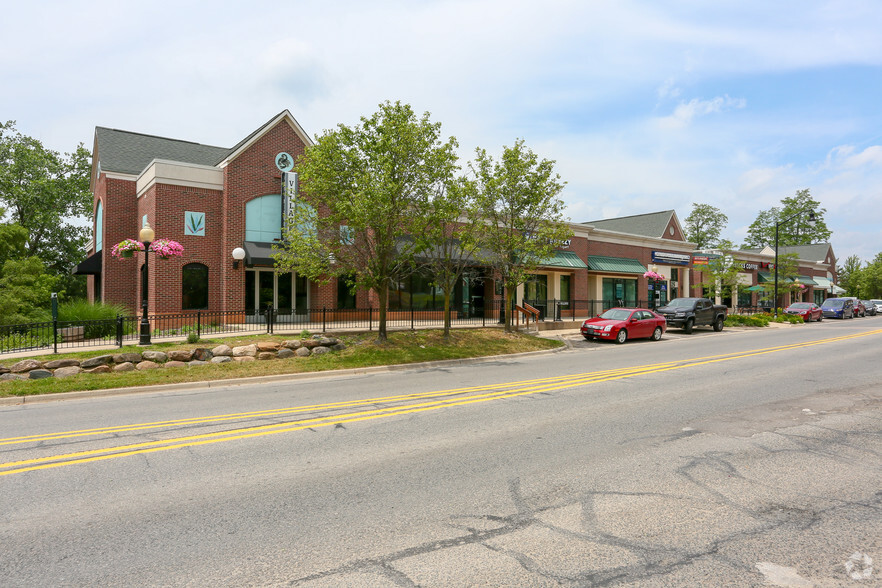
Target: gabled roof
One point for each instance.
(242, 145)
(813, 252)
(126, 152)
(653, 224)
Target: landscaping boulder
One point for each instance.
(243, 358)
(25, 365)
(61, 363)
(202, 354)
(285, 353)
(245, 351)
(180, 355)
(174, 363)
(147, 364)
(101, 369)
(338, 347)
(67, 371)
(327, 341)
(222, 351)
(39, 374)
(154, 357)
(96, 361)
(303, 352)
(197, 363)
(266, 355)
(10, 376)
(267, 346)
(221, 359)
(292, 344)
(311, 343)
(320, 350)
(126, 366)
(127, 358)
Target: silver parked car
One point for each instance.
(877, 304)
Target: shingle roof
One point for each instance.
(129, 153)
(814, 252)
(652, 224)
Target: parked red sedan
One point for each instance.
(621, 324)
(809, 311)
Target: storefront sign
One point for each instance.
(670, 258)
(284, 162)
(194, 223)
(748, 265)
(289, 194)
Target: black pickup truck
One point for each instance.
(688, 312)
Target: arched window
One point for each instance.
(99, 227)
(194, 287)
(263, 219)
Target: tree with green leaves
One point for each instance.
(796, 230)
(850, 275)
(704, 226)
(365, 189)
(13, 242)
(517, 199)
(25, 291)
(870, 281)
(44, 192)
(719, 277)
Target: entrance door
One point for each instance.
(287, 293)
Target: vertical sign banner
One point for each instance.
(289, 194)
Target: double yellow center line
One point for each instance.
(334, 413)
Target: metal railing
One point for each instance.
(122, 330)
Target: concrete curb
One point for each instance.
(195, 386)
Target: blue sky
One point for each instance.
(644, 105)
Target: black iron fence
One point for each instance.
(55, 335)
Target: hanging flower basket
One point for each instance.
(126, 249)
(653, 276)
(166, 248)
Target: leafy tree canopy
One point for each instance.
(25, 291)
(704, 225)
(43, 192)
(793, 214)
(850, 275)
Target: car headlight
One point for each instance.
(680, 314)
(607, 328)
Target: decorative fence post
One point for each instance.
(119, 330)
(198, 323)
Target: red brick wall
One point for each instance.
(121, 221)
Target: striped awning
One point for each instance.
(615, 265)
(824, 283)
(807, 280)
(564, 259)
(770, 278)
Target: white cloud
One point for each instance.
(685, 112)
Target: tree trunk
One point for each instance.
(446, 314)
(383, 298)
(509, 296)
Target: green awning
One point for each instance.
(564, 259)
(824, 283)
(807, 280)
(756, 288)
(770, 278)
(615, 265)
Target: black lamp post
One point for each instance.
(811, 222)
(146, 237)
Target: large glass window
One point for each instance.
(619, 292)
(99, 227)
(345, 295)
(194, 287)
(263, 218)
(536, 288)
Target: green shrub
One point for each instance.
(755, 320)
(192, 338)
(84, 312)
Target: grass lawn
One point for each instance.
(403, 347)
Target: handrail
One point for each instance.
(527, 311)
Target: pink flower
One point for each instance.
(166, 248)
(653, 276)
(126, 248)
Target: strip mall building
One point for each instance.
(214, 200)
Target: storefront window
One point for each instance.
(565, 288)
(194, 287)
(745, 298)
(619, 292)
(536, 288)
(263, 219)
(345, 296)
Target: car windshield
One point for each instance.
(874, 302)
(616, 314)
(681, 303)
(833, 303)
(800, 305)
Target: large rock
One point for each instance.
(303, 352)
(292, 344)
(245, 351)
(222, 351)
(147, 365)
(267, 346)
(243, 358)
(126, 366)
(174, 363)
(327, 341)
(221, 359)
(202, 354)
(67, 371)
(285, 353)
(266, 355)
(155, 356)
(101, 369)
(25, 365)
(10, 376)
(180, 355)
(4, 369)
(39, 374)
(129, 357)
(320, 351)
(197, 363)
(61, 363)
(311, 343)
(338, 347)
(93, 362)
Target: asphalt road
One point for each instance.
(741, 458)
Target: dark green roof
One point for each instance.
(130, 153)
(616, 265)
(653, 224)
(564, 259)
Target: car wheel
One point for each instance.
(688, 326)
(718, 324)
(587, 338)
(820, 318)
(657, 334)
(622, 336)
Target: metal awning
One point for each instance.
(807, 280)
(770, 278)
(837, 290)
(824, 283)
(756, 288)
(615, 265)
(564, 259)
(91, 265)
(258, 253)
